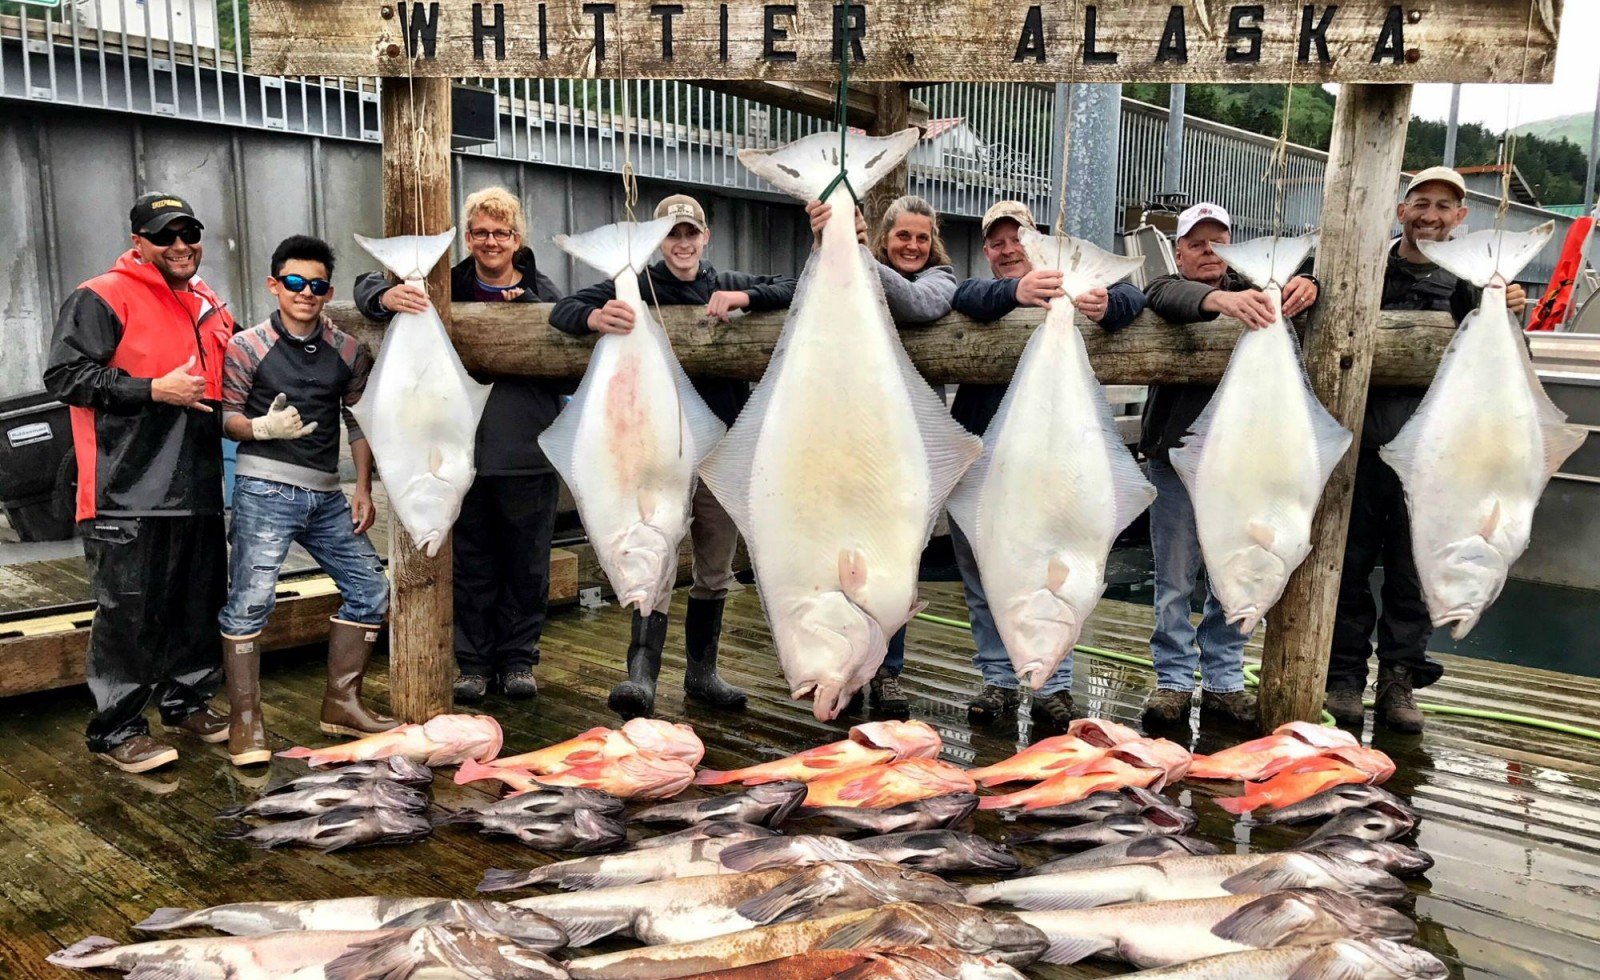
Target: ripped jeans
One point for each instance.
(269, 517)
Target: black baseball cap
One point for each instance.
(153, 212)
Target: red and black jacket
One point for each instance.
(115, 333)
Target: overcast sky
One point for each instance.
(1494, 106)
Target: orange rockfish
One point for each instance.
(635, 777)
(870, 744)
(444, 740)
(1041, 760)
(647, 736)
(1261, 758)
(889, 784)
(1075, 784)
(1101, 731)
(1377, 765)
(1299, 782)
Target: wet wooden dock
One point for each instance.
(1512, 815)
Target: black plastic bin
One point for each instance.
(38, 473)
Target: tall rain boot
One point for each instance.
(349, 651)
(636, 696)
(702, 630)
(241, 666)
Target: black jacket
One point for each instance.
(724, 396)
(1408, 286)
(1170, 410)
(519, 408)
(990, 299)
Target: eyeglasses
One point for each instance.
(295, 284)
(481, 235)
(166, 236)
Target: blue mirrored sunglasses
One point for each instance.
(294, 284)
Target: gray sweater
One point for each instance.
(922, 298)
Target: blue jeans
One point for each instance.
(1176, 546)
(991, 659)
(269, 517)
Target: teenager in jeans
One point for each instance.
(287, 383)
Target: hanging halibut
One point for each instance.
(840, 463)
(1261, 451)
(420, 411)
(1055, 485)
(1477, 454)
(628, 442)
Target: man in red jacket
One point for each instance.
(137, 353)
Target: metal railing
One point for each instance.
(986, 141)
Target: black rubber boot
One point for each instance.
(636, 696)
(702, 630)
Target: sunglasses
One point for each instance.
(166, 236)
(295, 284)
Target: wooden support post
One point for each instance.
(894, 114)
(416, 201)
(1369, 135)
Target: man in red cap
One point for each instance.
(137, 353)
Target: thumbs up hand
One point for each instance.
(282, 421)
(181, 386)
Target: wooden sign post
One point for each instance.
(416, 201)
(1380, 48)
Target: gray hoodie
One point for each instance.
(919, 299)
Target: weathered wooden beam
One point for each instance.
(516, 339)
(915, 40)
(416, 201)
(818, 99)
(894, 111)
(1369, 136)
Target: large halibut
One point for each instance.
(841, 461)
(420, 411)
(1477, 454)
(1262, 450)
(1055, 485)
(628, 442)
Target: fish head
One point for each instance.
(398, 826)
(1368, 882)
(652, 736)
(1390, 856)
(429, 506)
(948, 809)
(403, 770)
(645, 561)
(784, 792)
(1004, 934)
(456, 950)
(906, 739)
(1252, 578)
(1381, 959)
(841, 643)
(1467, 576)
(971, 850)
(1044, 628)
(1346, 915)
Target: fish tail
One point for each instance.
(1480, 257)
(1005, 802)
(1268, 260)
(233, 812)
(298, 752)
(79, 955)
(237, 831)
(617, 248)
(505, 879)
(807, 166)
(716, 777)
(166, 919)
(409, 256)
(472, 771)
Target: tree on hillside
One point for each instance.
(1553, 168)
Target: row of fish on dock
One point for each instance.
(837, 469)
(873, 887)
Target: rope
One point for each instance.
(1513, 112)
(841, 119)
(1066, 139)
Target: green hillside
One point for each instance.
(1573, 128)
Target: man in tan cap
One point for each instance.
(684, 277)
(1015, 283)
(1380, 528)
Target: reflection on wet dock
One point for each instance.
(1511, 814)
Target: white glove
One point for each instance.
(282, 421)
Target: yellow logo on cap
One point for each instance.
(167, 202)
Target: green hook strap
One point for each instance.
(841, 116)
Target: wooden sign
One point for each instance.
(914, 40)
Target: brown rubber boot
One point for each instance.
(241, 665)
(1396, 708)
(349, 650)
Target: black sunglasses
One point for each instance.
(166, 236)
(295, 284)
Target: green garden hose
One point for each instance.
(1252, 678)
